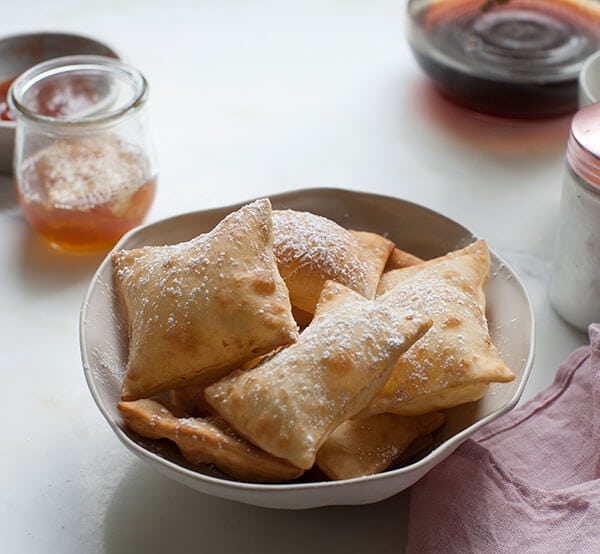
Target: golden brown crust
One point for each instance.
(189, 401)
(400, 259)
(301, 317)
(440, 400)
(455, 361)
(311, 249)
(198, 309)
(368, 446)
(206, 441)
(343, 392)
(377, 251)
(290, 404)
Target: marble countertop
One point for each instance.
(247, 99)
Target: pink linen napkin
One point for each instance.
(527, 482)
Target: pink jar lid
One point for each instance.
(583, 148)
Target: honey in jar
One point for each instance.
(84, 163)
(85, 194)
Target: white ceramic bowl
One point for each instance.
(412, 227)
(589, 81)
(20, 52)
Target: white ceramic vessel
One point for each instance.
(414, 228)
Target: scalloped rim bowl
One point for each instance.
(413, 228)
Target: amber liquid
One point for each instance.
(84, 195)
(520, 59)
(96, 227)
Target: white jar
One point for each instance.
(575, 280)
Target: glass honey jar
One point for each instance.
(84, 165)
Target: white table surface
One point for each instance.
(248, 98)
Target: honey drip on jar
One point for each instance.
(85, 193)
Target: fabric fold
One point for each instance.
(527, 482)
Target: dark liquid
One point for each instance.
(517, 60)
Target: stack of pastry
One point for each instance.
(281, 341)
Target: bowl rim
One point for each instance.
(440, 451)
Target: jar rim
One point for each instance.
(72, 65)
(583, 145)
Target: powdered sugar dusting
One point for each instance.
(167, 271)
(299, 395)
(229, 273)
(450, 292)
(305, 240)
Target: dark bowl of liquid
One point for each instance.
(20, 52)
(515, 58)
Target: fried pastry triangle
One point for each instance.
(456, 360)
(197, 309)
(289, 404)
(311, 249)
(368, 446)
(206, 441)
